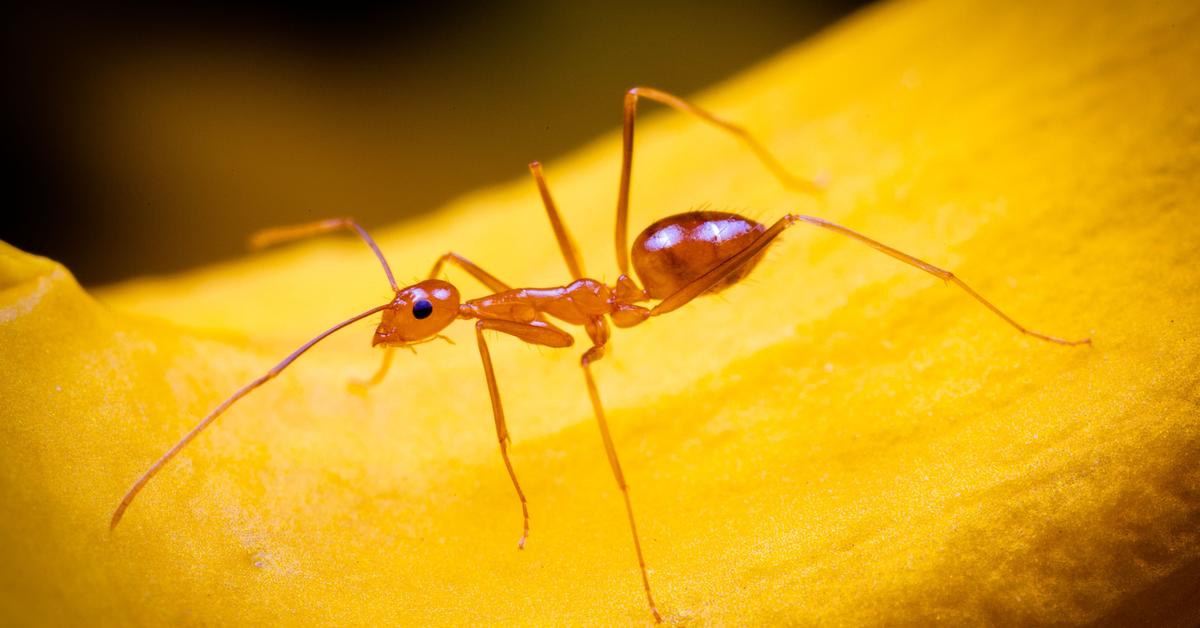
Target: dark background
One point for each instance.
(146, 140)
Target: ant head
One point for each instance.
(418, 313)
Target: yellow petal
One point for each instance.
(842, 439)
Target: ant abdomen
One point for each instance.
(674, 251)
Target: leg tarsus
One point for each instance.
(505, 441)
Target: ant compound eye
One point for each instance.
(422, 309)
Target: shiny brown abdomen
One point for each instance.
(673, 251)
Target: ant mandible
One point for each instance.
(677, 259)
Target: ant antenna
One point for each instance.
(212, 416)
(268, 237)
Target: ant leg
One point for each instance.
(706, 281)
(484, 277)
(361, 386)
(276, 235)
(536, 333)
(569, 250)
(593, 354)
(940, 273)
(675, 102)
(212, 416)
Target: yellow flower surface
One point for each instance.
(839, 439)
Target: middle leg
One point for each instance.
(565, 243)
(593, 354)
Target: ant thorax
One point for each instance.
(575, 303)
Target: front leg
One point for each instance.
(360, 386)
(484, 277)
(536, 333)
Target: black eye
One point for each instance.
(422, 309)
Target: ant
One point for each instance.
(677, 259)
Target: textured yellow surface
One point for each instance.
(842, 439)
